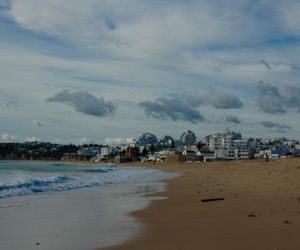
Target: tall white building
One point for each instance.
(106, 150)
(225, 140)
(228, 146)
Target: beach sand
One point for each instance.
(260, 210)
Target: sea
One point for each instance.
(58, 205)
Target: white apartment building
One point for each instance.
(225, 140)
(105, 151)
(89, 151)
(228, 146)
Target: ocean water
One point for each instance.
(23, 178)
(64, 206)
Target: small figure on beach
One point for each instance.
(267, 157)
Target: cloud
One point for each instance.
(295, 67)
(185, 107)
(280, 66)
(37, 123)
(119, 25)
(289, 16)
(118, 141)
(269, 99)
(222, 100)
(195, 100)
(265, 63)
(147, 29)
(134, 51)
(85, 102)
(4, 9)
(273, 100)
(32, 139)
(7, 100)
(280, 128)
(85, 140)
(7, 138)
(291, 97)
(172, 108)
(232, 119)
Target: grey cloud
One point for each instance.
(7, 138)
(232, 119)
(273, 100)
(172, 108)
(37, 123)
(291, 97)
(269, 99)
(194, 100)
(295, 67)
(85, 102)
(281, 128)
(185, 107)
(268, 89)
(223, 100)
(270, 66)
(265, 63)
(7, 100)
(11, 103)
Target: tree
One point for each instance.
(199, 145)
(152, 148)
(145, 152)
(135, 152)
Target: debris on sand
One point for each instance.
(212, 199)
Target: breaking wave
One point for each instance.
(33, 186)
(16, 180)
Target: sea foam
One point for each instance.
(23, 178)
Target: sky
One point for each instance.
(108, 70)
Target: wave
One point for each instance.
(59, 164)
(35, 183)
(31, 179)
(100, 170)
(33, 186)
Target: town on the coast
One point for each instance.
(228, 145)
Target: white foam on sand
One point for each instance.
(80, 219)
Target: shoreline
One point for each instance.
(260, 210)
(83, 218)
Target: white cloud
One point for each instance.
(131, 51)
(7, 138)
(32, 139)
(37, 123)
(288, 12)
(140, 28)
(118, 141)
(85, 140)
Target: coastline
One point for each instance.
(79, 218)
(260, 210)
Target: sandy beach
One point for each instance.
(260, 210)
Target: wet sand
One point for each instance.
(76, 219)
(260, 210)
